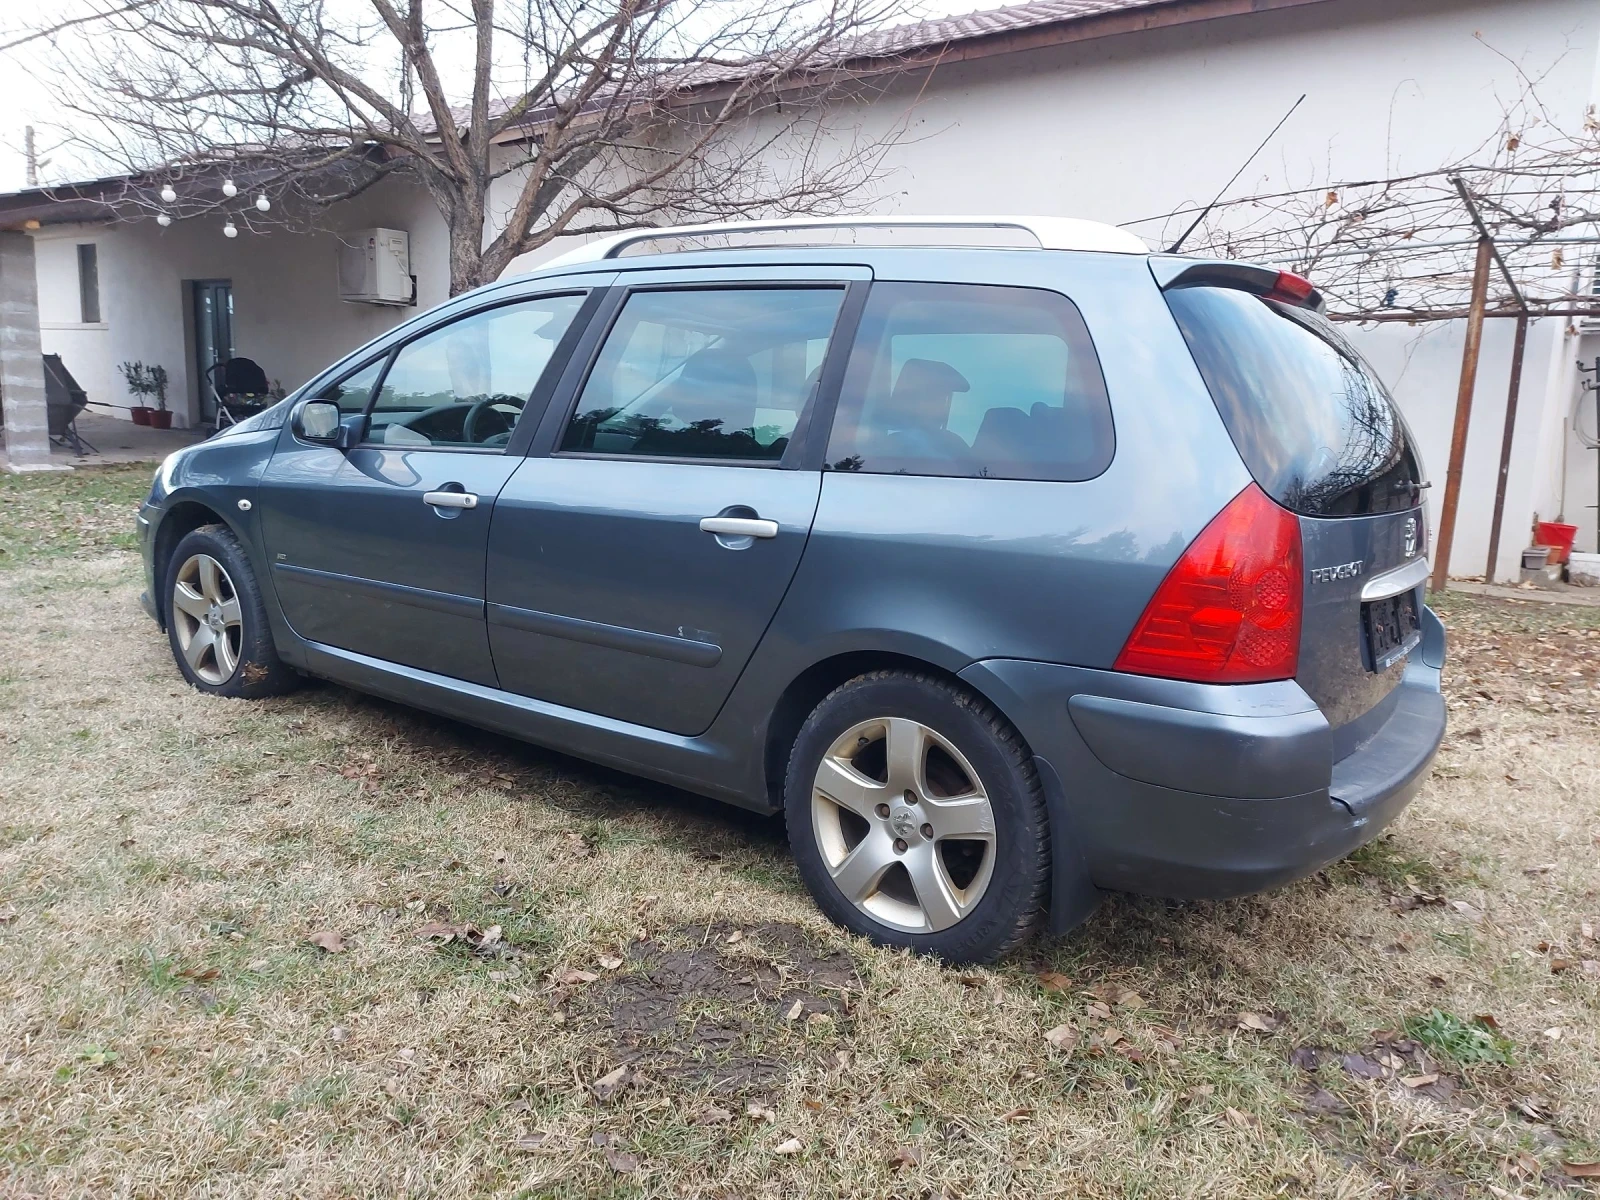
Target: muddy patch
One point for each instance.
(731, 1010)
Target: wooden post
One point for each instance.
(1458, 437)
(1512, 395)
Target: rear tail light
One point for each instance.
(1229, 610)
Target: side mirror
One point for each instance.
(321, 421)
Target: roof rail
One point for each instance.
(1052, 233)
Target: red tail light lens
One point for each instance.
(1292, 289)
(1229, 610)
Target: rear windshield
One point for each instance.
(1313, 423)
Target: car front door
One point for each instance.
(638, 555)
(379, 548)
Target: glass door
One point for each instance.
(213, 337)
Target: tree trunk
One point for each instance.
(467, 265)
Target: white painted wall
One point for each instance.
(287, 311)
(1117, 129)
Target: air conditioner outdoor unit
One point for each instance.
(375, 267)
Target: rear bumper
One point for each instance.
(1196, 791)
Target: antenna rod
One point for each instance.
(1206, 212)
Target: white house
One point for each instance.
(1115, 110)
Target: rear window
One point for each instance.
(1313, 423)
(968, 380)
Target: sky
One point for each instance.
(23, 100)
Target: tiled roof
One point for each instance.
(902, 39)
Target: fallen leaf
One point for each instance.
(971, 981)
(197, 974)
(759, 1112)
(1099, 1010)
(1305, 1057)
(491, 935)
(1199, 1091)
(1417, 1081)
(1553, 1034)
(1256, 1023)
(8, 913)
(794, 1012)
(1063, 1037)
(610, 961)
(572, 976)
(1586, 932)
(735, 936)
(1054, 981)
(1130, 999)
(329, 941)
(338, 1034)
(1321, 1102)
(813, 1105)
(1522, 1164)
(530, 1143)
(609, 1084)
(1243, 1120)
(790, 1146)
(1021, 1113)
(1487, 1020)
(905, 1156)
(438, 931)
(1110, 1036)
(1558, 965)
(1584, 1170)
(621, 1161)
(711, 1115)
(1541, 869)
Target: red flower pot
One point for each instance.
(160, 418)
(141, 414)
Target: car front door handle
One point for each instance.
(739, 527)
(450, 499)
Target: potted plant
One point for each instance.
(160, 418)
(138, 380)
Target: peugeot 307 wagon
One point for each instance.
(1008, 574)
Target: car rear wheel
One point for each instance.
(917, 818)
(216, 621)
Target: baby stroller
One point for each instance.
(238, 389)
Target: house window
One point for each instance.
(89, 283)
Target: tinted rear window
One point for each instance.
(1313, 423)
(967, 380)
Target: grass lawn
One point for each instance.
(327, 946)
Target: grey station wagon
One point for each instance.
(1008, 574)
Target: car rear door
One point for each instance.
(380, 548)
(637, 557)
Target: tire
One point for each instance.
(217, 627)
(986, 892)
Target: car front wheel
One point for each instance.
(917, 818)
(216, 621)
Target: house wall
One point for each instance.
(1117, 129)
(287, 312)
(1134, 126)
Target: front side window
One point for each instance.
(719, 373)
(354, 392)
(465, 384)
(955, 379)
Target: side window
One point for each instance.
(715, 373)
(465, 384)
(955, 379)
(353, 393)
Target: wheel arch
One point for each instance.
(807, 689)
(182, 517)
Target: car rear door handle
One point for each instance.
(450, 499)
(739, 526)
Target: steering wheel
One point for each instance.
(488, 421)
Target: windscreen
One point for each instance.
(1313, 423)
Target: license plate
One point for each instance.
(1392, 628)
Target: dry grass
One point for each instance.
(166, 1028)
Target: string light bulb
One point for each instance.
(163, 220)
(263, 204)
(229, 189)
(168, 194)
(230, 230)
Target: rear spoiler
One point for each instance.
(1285, 287)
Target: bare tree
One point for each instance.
(525, 120)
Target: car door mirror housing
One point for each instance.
(320, 421)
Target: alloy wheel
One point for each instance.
(904, 824)
(206, 613)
